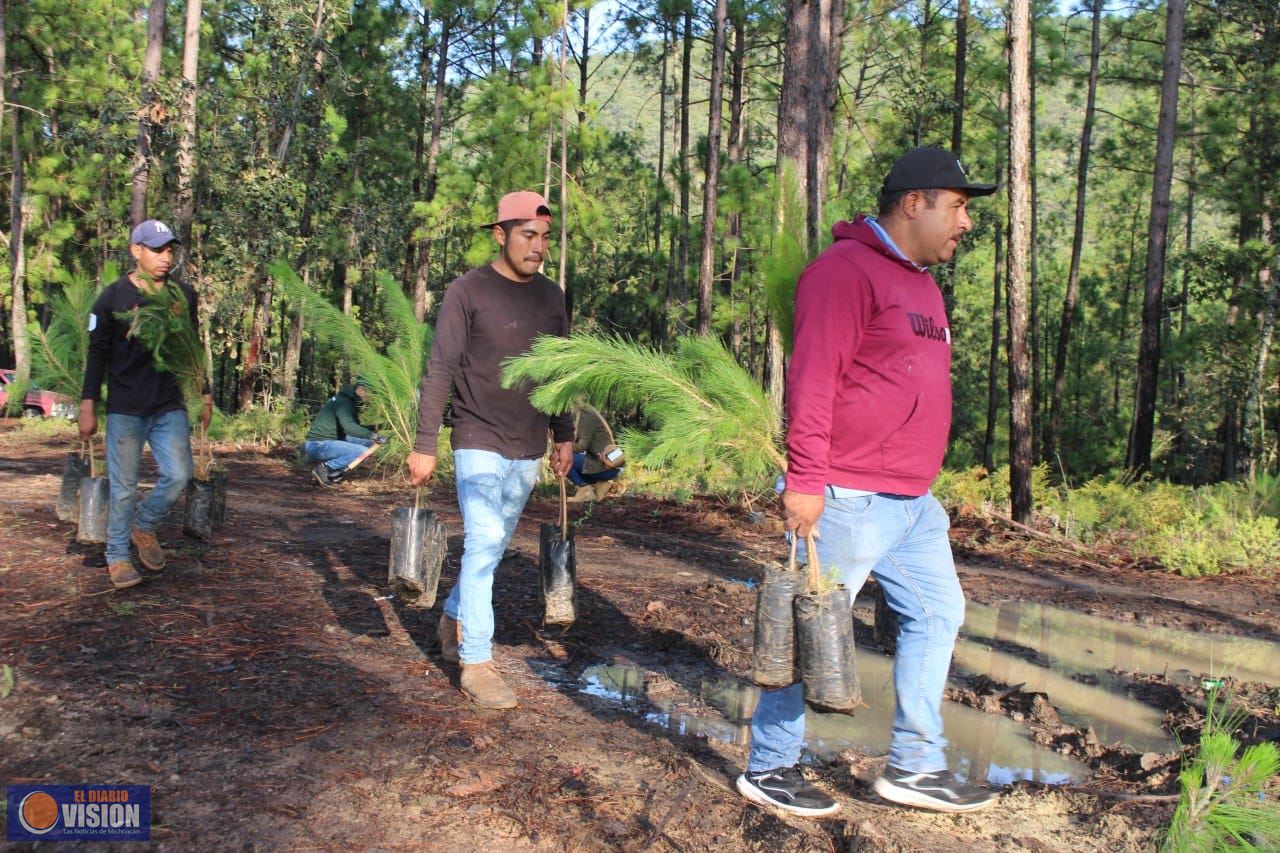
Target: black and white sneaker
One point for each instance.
(785, 788)
(939, 792)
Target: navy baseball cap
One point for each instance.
(931, 168)
(153, 234)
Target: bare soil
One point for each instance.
(275, 697)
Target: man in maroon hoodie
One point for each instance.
(868, 414)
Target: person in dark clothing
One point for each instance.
(597, 459)
(144, 405)
(489, 314)
(337, 438)
(868, 414)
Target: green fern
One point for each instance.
(707, 414)
(393, 371)
(1224, 803)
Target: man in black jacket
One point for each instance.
(144, 405)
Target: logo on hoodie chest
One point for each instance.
(923, 326)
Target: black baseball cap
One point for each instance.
(931, 168)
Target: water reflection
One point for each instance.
(986, 746)
(1069, 656)
(1066, 655)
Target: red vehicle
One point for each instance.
(38, 403)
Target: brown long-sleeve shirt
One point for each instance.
(485, 319)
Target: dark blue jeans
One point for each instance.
(578, 478)
(337, 454)
(169, 435)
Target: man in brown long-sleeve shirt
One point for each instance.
(489, 314)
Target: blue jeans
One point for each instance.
(169, 435)
(578, 478)
(492, 492)
(903, 542)
(336, 454)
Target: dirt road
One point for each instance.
(274, 697)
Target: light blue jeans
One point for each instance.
(492, 492)
(903, 542)
(336, 454)
(169, 435)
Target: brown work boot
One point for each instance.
(149, 551)
(449, 633)
(123, 574)
(483, 686)
(584, 494)
(602, 489)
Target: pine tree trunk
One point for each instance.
(806, 103)
(1181, 443)
(146, 113)
(286, 135)
(1077, 243)
(4, 66)
(187, 139)
(19, 215)
(711, 187)
(422, 254)
(734, 152)
(584, 72)
(1269, 285)
(419, 146)
(564, 160)
(1144, 411)
(1020, 457)
(997, 297)
(1033, 248)
(686, 76)
(993, 356)
(958, 92)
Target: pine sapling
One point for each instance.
(1224, 803)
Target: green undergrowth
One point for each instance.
(1224, 528)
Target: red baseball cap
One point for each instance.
(521, 206)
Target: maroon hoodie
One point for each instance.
(869, 383)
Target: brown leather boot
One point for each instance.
(584, 494)
(485, 687)
(602, 489)
(150, 554)
(449, 633)
(123, 575)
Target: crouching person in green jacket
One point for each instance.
(337, 438)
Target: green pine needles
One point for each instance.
(392, 370)
(1224, 803)
(709, 417)
(162, 323)
(59, 350)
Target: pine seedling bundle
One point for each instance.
(392, 370)
(708, 414)
(59, 350)
(162, 324)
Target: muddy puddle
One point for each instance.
(1068, 656)
(983, 745)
